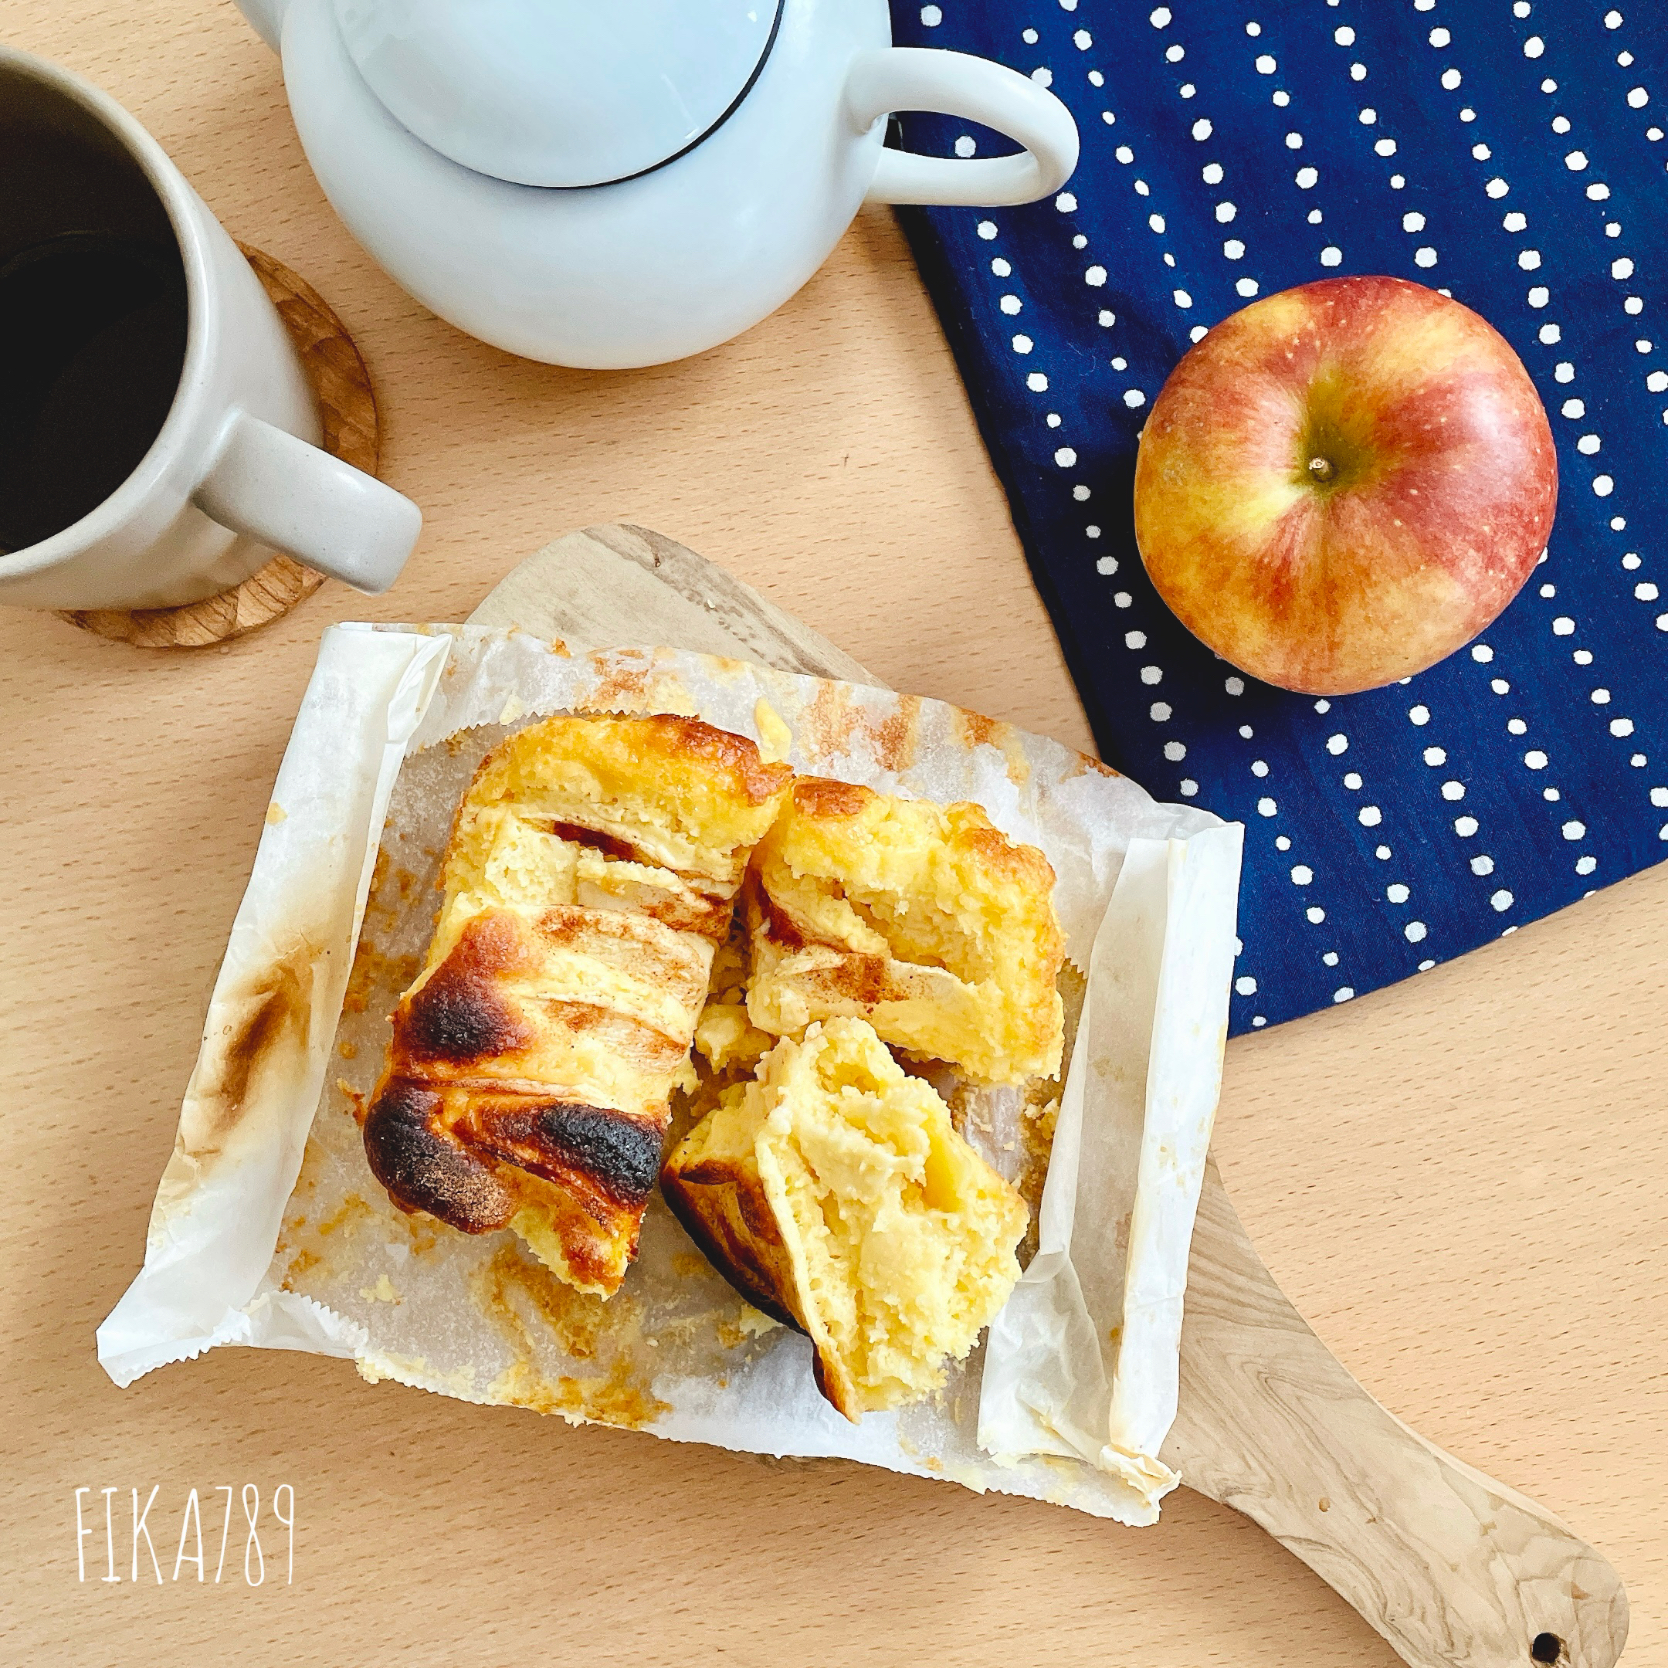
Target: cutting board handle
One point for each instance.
(1453, 1568)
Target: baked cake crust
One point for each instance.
(924, 920)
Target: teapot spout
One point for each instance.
(267, 16)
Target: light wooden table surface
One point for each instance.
(1463, 1182)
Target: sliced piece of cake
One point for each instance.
(925, 920)
(834, 1193)
(591, 872)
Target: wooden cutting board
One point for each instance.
(1453, 1568)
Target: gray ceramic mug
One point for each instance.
(158, 436)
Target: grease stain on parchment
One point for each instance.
(775, 737)
(373, 970)
(419, 1371)
(629, 680)
(837, 723)
(727, 669)
(254, 1052)
(517, 1295)
(306, 1240)
(263, 1027)
(973, 729)
(750, 1323)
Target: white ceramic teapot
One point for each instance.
(622, 183)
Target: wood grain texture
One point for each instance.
(585, 588)
(1460, 1181)
(347, 408)
(1453, 1568)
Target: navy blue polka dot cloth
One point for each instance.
(1510, 153)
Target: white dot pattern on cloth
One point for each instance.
(1448, 149)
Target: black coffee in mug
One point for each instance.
(159, 432)
(92, 338)
(92, 323)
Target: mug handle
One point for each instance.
(958, 84)
(269, 485)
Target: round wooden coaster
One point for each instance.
(351, 432)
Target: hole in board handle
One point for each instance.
(1547, 1647)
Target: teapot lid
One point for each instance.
(559, 92)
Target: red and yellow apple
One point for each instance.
(1343, 483)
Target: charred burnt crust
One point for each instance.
(424, 1169)
(619, 1154)
(448, 1171)
(457, 1015)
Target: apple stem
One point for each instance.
(1321, 468)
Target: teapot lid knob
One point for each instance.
(559, 92)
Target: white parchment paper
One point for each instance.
(268, 1228)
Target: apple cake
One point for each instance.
(591, 872)
(834, 1194)
(924, 920)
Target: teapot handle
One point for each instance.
(958, 84)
